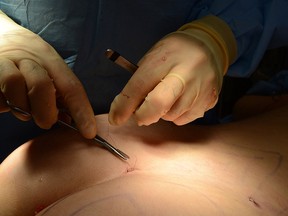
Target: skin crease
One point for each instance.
(238, 168)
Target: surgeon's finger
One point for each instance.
(74, 97)
(141, 83)
(192, 111)
(213, 99)
(13, 88)
(41, 93)
(3, 105)
(189, 116)
(187, 101)
(159, 101)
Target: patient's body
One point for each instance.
(233, 169)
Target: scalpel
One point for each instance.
(120, 60)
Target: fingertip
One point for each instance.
(146, 123)
(44, 121)
(140, 123)
(88, 128)
(21, 116)
(188, 117)
(180, 123)
(114, 119)
(117, 115)
(111, 116)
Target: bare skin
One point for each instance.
(239, 168)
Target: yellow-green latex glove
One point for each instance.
(180, 77)
(33, 76)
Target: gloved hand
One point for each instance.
(180, 78)
(33, 76)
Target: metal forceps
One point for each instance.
(98, 139)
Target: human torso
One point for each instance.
(228, 170)
(192, 177)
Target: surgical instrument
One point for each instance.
(120, 60)
(97, 138)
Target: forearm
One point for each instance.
(257, 26)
